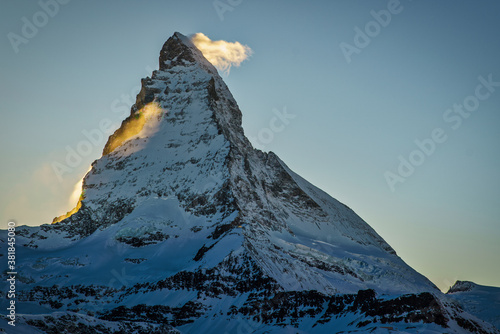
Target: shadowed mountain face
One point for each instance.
(184, 227)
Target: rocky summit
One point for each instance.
(184, 227)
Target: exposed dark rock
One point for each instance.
(212, 93)
(79, 324)
(201, 252)
(174, 53)
(83, 223)
(135, 261)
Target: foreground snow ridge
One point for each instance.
(184, 227)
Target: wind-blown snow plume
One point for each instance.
(77, 190)
(221, 54)
(143, 123)
(75, 199)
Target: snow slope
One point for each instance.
(482, 301)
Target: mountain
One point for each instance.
(184, 227)
(479, 300)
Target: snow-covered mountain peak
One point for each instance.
(479, 300)
(183, 143)
(182, 223)
(179, 50)
(462, 286)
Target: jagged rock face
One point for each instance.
(461, 286)
(183, 226)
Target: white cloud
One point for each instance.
(221, 54)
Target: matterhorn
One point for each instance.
(184, 227)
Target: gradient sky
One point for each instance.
(352, 120)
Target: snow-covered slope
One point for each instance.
(482, 301)
(183, 226)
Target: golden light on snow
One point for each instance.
(69, 213)
(221, 54)
(142, 123)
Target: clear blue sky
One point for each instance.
(352, 120)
